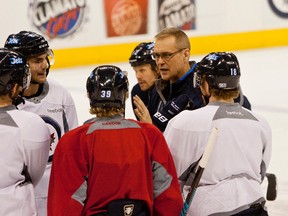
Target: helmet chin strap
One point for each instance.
(48, 66)
(18, 99)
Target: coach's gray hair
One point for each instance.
(182, 40)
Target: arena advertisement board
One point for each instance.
(177, 13)
(82, 32)
(126, 17)
(56, 18)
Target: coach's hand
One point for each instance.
(141, 110)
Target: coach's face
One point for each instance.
(170, 59)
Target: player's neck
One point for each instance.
(33, 88)
(5, 100)
(213, 99)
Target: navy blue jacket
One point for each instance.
(164, 93)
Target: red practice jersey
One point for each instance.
(109, 159)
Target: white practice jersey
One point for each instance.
(56, 107)
(25, 142)
(232, 178)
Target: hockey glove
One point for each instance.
(171, 109)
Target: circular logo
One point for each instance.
(180, 13)
(280, 7)
(56, 18)
(126, 17)
(55, 133)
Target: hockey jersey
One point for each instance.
(56, 107)
(109, 159)
(25, 142)
(231, 181)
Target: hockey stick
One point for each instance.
(202, 164)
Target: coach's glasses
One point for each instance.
(165, 56)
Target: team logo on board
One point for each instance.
(177, 13)
(56, 18)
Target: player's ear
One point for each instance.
(205, 88)
(15, 90)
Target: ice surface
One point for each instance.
(264, 81)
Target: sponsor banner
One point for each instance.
(56, 18)
(177, 13)
(126, 17)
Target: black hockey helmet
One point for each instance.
(30, 44)
(142, 55)
(222, 71)
(107, 87)
(13, 69)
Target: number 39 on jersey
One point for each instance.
(105, 93)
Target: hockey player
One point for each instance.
(112, 165)
(174, 92)
(25, 140)
(146, 72)
(44, 97)
(231, 182)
